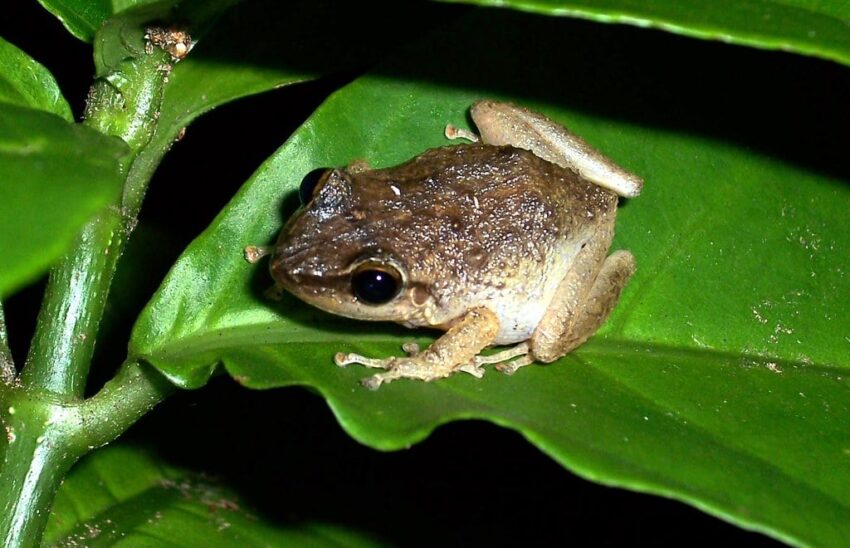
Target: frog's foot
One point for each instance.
(453, 132)
(342, 359)
(473, 368)
(408, 368)
(405, 367)
(254, 253)
(454, 351)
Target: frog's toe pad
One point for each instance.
(410, 348)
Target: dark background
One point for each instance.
(470, 482)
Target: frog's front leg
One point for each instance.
(452, 352)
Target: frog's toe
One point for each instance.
(473, 369)
(373, 383)
(453, 132)
(342, 359)
(521, 349)
(511, 367)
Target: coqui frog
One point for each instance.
(501, 241)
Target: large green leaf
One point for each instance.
(124, 496)
(53, 177)
(26, 83)
(721, 378)
(811, 27)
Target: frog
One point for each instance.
(499, 241)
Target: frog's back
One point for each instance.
(488, 225)
(502, 186)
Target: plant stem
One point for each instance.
(125, 104)
(135, 390)
(47, 426)
(7, 364)
(74, 301)
(35, 460)
(45, 436)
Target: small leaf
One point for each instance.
(26, 83)
(124, 35)
(83, 18)
(122, 494)
(721, 378)
(810, 27)
(54, 176)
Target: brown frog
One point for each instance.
(500, 242)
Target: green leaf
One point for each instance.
(54, 175)
(721, 378)
(810, 27)
(26, 83)
(124, 35)
(83, 18)
(123, 495)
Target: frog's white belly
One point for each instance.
(521, 307)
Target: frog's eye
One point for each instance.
(311, 182)
(375, 283)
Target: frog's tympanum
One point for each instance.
(500, 242)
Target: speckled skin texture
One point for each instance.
(467, 226)
(496, 243)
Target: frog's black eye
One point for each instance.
(310, 183)
(375, 283)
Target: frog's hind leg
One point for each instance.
(506, 124)
(581, 306)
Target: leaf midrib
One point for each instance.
(235, 337)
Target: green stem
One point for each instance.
(47, 426)
(125, 104)
(44, 437)
(73, 305)
(35, 460)
(7, 364)
(135, 390)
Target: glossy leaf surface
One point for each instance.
(811, 27)
(123, 496)
(54, 176)
(720, 379)
(26, 83)
(83, 18)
